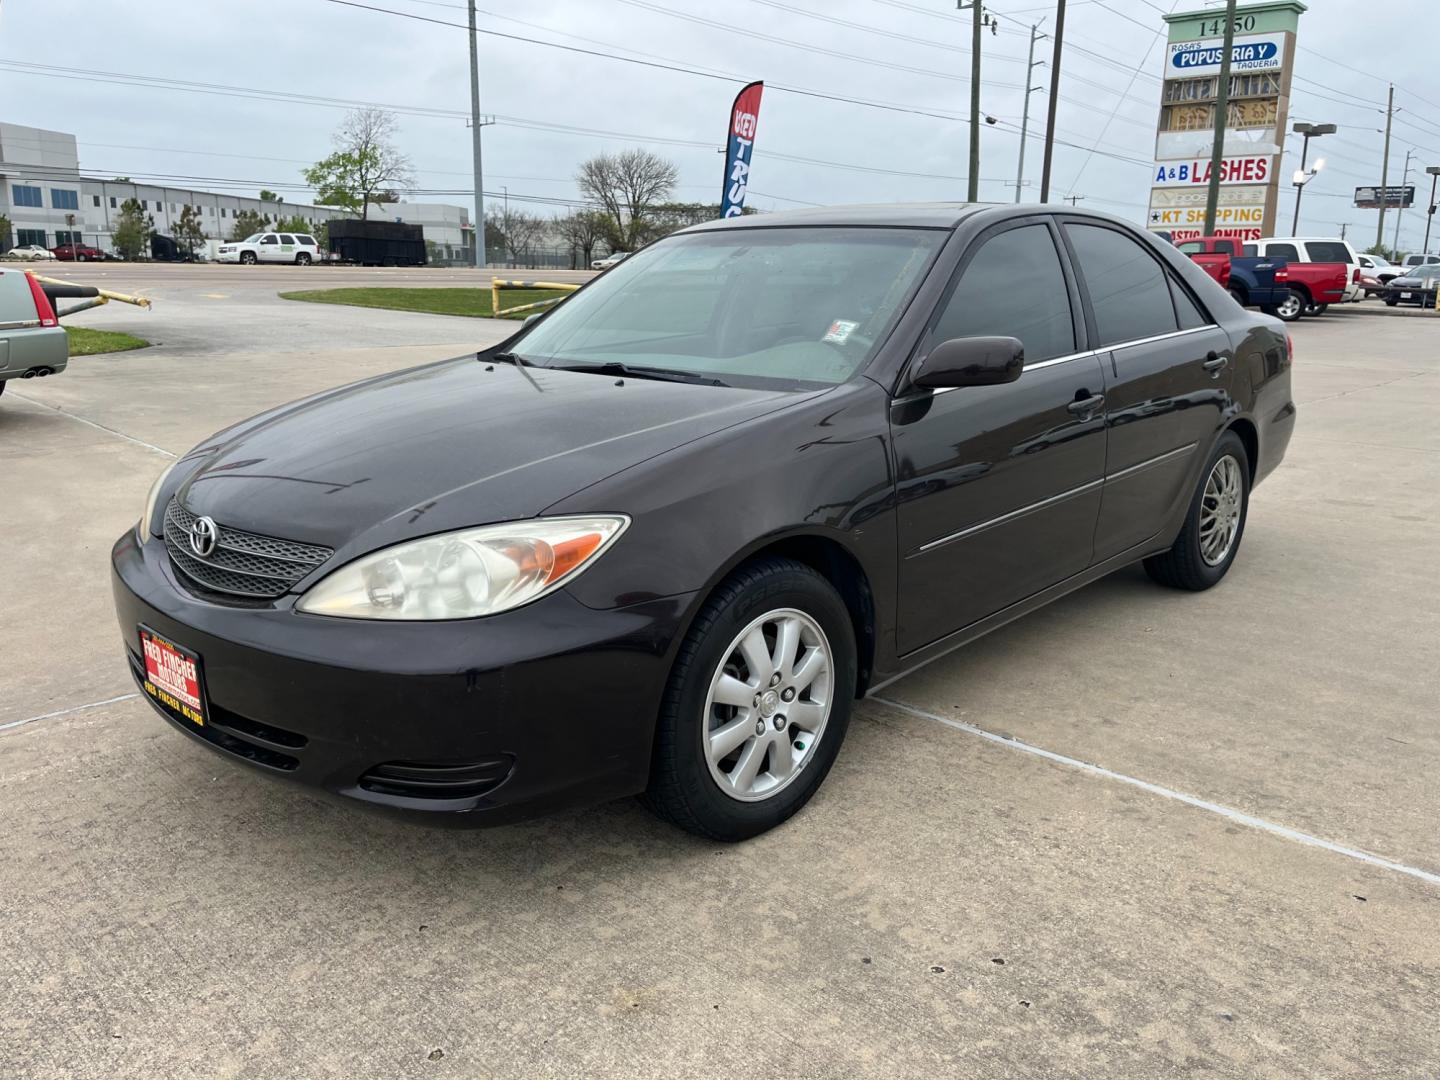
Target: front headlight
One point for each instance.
(464, 574)
(143, 526)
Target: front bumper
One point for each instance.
(471, 722)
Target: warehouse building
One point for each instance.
(50, 201)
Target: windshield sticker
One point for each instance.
(839, 330)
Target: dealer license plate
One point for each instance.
(1406, 295)
(172, 678)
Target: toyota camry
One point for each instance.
(661, 539)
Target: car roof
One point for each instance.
(927, 215)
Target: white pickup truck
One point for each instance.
(270, 247)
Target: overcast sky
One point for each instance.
(910, 54)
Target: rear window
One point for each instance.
(1327, 251)
(304, 239)
(1193, 247)
(1251, 250)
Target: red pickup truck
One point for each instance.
(77, 252)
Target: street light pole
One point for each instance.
(1434, 171)
(1308, 132)
(1222, 117)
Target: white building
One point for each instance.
(50, 202)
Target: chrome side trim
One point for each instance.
(1162, 337)
(20, 324)
(1011, 516)
(1151, 461)
(1053, 499)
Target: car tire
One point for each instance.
(82, 258)
(742, 792)
(1237, 296)
(247, 258)
(1313, 310)
(302, 259)
(1392, 303)
(1200, 556)
(1291, 308)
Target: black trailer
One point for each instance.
(377, 243)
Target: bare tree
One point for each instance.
(365, 167)
(626, 185)
(582, 230)
(519, 228)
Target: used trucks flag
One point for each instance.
(744, 116)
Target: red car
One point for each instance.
(77, 252)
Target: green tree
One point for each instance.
(131, 230)
(247, 223)
(266, 195)
(189, 231)
(6, 235)
(366, 166)
(293, 224)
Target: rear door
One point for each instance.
(998, 487)
(1170, 367)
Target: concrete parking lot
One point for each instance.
(1137, 834)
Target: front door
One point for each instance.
(998, 487)
(1169, 381)
(270, 248)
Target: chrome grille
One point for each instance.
(243, 563)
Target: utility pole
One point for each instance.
(1343, 226)
(1054, 100)
(1400, 207)
(1073, 200)
(1222, 117)
(481, 258)
(1385, 168)
(978, 23)
(1025, 115)
(1434, 171)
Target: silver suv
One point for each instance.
(32, 341)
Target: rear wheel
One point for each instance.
(1292, 307)
(1238, 296)
(757, 705)
(1316, 309)
(1210, 537)
(1391, 303)
(82, 258)
(303, 259)
(247, 258)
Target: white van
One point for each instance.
(1327, 249)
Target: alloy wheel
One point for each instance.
(1290, 307)
(768, 704)
(1220, 508)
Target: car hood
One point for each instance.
(447, 446)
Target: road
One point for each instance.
(140, 277)
(1137, 834)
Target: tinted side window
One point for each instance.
(286, 238)
(1282, 251)
(1251, 249)
(1327, 251)
(307, 240)
(1013, 287)
(1127, 287)
(1192, 247)
(269, 238)
(1187, 311)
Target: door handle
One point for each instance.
(1087, 406)
(1214, 364)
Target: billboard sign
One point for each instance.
(1253, 169)
(1168, 198)
(1229, 217)
(740, 145)
(1368, 198)
(1253, 52)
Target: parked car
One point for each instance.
(1253, 281)
(29, 253)
(270, 247)
(1315, 285)
(1420, 260)
(1417, 286)
(1307, 249)
(32, 342)
(609, 260)
(1375, 272)
(663, 536)
(77, 253)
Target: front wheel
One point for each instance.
(247, 258)
(757, 704)
(82, 258)
(1210, 537)
(1391, 303)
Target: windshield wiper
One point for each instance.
(660, 374)
(512, 358)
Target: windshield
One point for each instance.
(253, 238)
(781, 307)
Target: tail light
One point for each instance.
(1355, 276)
(1283, 274)
(1289, 349)
(42, 302)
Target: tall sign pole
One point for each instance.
(479, 245)
(1054, 100)
(1385, 169)
(1222, 114)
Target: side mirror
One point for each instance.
(531, 317)
(972, 361)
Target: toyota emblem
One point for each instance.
(203, 536)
